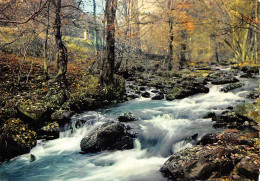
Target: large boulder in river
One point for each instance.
(200, 163)
(222, 77)
(62, 116)
(110, 136)
(224, 80)
(49, 132)
(158, 96)
(185, 89)
(254, 94)
(16, 138)
(222, 159)
(126, 117)
(232, 86)
(146, 94)
(209, 138)
(231, 119)
(249, 71)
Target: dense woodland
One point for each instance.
(60, 57)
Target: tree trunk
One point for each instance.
(183, 49)
(45, 65)
(136, 27)
(244, 46)
(256, 43)
(170, 56)
(95, 27)
(62, 55)
(109, 63)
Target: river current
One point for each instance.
(162, 129)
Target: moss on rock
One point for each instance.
(16, 138)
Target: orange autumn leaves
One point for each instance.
(119, 32)
(181, 15)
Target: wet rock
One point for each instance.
(142, 88)
(32, 158)
(198, 163)
(209, 138)
(16, 138)
(221, 77)
(246, 75)
(155, 91)
(158, 97)
(201, 80)
(209, 115)
(230, 108)
(126, 117)
(137, 92)
(81, 122)
(62, 116)
(224, 80)
(133, 96)
(254, 94)
(186, 89)
(49, 132)
(230, 87)
(146, 94)
(222, 159)
(192, 138)
(249, 71)
(230, 119)
(110, 136)
(248, 169)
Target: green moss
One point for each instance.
(174, 93)
(20, 132)
(32, 108)
(249, 110)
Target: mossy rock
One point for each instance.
(232, 86)
(174, 93)
(34, 112)
(49, 132)
(81, 102)
(62, 116)
(56, 97)
(186, 88)
(16, 138)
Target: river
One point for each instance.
(162, 129)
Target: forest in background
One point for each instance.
(171, 34)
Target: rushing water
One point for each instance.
(162, 129)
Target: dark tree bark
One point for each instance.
(216, 51)
(170, 59)
(95, 27)
(183, 49)
(45, 65)
(62, 54)
(170, 45)
(107, 76)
